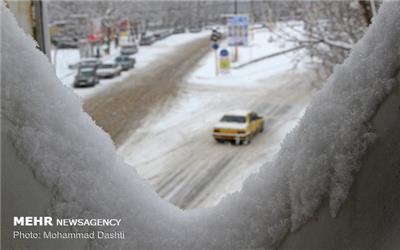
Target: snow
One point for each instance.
(238, 112)
(77, 161)
(146, 56)
(262, 45)
(231, 125)
(180, 133)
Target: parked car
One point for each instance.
(158, 36)
(109, 69)
(65, 42)
(147, 40)
(86, 62)
(129, 49)
(238, 127)
(216, 35)
(125, 62)
(161, 34)
(179, 30)
(167, 33)
(86, 77)
(194, 29)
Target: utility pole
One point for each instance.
(236, 7)
(373, 7)
(236, 54)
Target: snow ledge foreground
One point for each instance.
(45, 129)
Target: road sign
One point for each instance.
(215, 46)
(238, 30)
(224, 61)
(224, 53)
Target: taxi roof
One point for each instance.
(238, 112)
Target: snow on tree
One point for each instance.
(327, 29)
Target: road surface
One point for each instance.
(175, 151)
(161, 124)
(120, 109)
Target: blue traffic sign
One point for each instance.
(224, 52)
(215, 46)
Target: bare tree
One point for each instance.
(327, 30)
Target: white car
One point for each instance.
(129, 49)
(109, 69)
(84, 62)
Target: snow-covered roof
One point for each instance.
(238, 112)
(88, 69)
(89, 59)
(108, 62)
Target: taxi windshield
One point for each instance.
(233, 118)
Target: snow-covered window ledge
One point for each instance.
(46, 131)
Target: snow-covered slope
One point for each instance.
(48, 133)
(370, 217)
(23, 195)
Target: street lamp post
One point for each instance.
(235, 7)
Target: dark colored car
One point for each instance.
(216, 35)
(167, 33)
(129, 49)
(158, 36)
(125, 62)
(194, 29)
(147, 40)
(86, 77)
(179, 30)
(161, 34)
(64, 42)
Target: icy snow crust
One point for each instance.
(76, 160)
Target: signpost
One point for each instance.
(215, 46)
(224, 61)
(238, 32)
(215, 37)
(124, 32)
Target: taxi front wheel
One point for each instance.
(262, 128)
(247, 140)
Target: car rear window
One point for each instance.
(86, 73)
(122, 59)
(233, 118)
(107, 66)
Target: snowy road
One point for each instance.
(120, 109)
(175, 151)
(161, 118)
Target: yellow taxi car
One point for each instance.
(238, 126)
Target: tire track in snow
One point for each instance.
(193, 170)
(121, 109)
